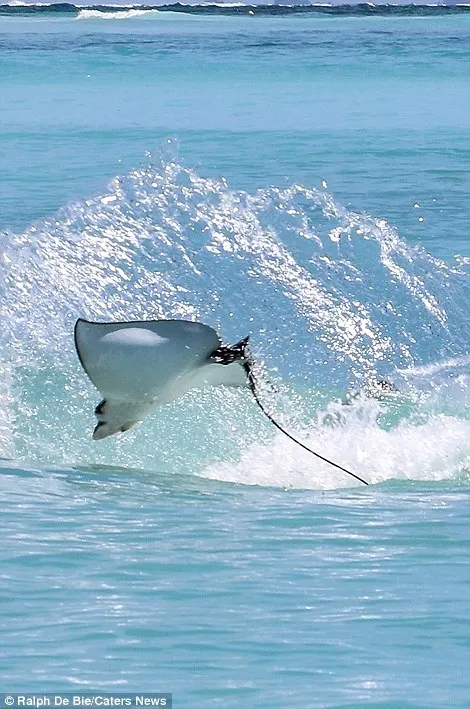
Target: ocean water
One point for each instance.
(299, 176)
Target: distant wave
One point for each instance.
(122, 14)
(18, 8)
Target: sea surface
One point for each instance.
(300, 176)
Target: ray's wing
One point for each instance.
(138, 361)
(139, 365)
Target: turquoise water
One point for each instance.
(301, 178)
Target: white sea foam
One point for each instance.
(114, 6)
(438, 449)
(119, 15)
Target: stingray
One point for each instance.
(141, 365)
(138, 366)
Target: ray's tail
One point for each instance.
(240, 352)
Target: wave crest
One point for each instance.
(118, 15)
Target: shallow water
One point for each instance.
(303, 179)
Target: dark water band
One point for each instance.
(361, 9)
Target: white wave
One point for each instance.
(115, 6)
(119, 15)
(436, 450)
(20, 3)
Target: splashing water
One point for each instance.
(332, 298)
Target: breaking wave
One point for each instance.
(333, 300)
(117, 15)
